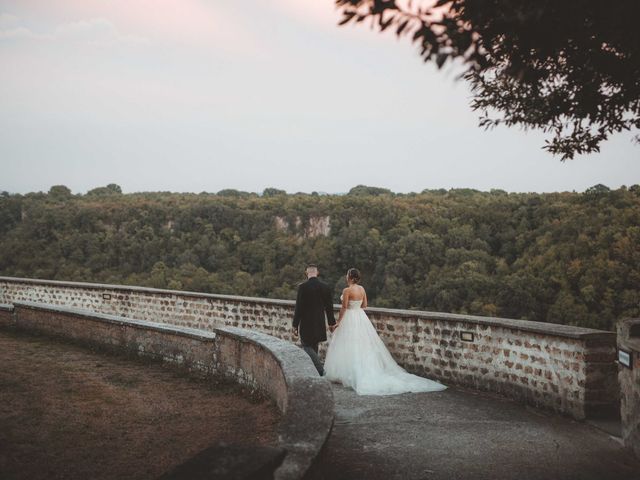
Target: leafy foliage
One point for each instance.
(570, 258)
(111, 189)
(569, 68)
(365, 190)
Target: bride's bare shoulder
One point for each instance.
(356, 292)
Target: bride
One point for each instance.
(356, 356)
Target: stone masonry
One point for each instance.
(567, 369)
(629, 342)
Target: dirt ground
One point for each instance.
(67, 412)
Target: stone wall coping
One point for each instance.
(6, 307)
(543, 328)
(135, 288)
(291, 359)
(302, 434)
(123, 321)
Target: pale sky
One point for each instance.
(195, 95)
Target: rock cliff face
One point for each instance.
(315, 227)
(319, 226)
(282, 223)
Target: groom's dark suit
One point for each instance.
(313, 302)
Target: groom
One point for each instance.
(313, 301)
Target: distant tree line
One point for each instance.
(570, 258)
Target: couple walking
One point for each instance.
(356, 356)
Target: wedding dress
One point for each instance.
(357, 358)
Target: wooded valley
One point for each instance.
(570, 258)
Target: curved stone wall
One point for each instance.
(277, 368)
(568, 369)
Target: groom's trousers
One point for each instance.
(312, 351)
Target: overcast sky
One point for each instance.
(201, 95)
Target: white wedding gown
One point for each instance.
(358, 358)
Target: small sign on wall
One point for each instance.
(106, 296)
(624, 358)
(466, 336)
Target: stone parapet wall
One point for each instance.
(278, 369)
(629, 342)
(568, 369)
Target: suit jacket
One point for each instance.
(313, 302)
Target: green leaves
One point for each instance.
(569, 69)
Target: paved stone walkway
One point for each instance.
(460, 434)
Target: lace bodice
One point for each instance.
(353, 304)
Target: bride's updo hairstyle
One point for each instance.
(353, 274)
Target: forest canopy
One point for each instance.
(570, 258)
